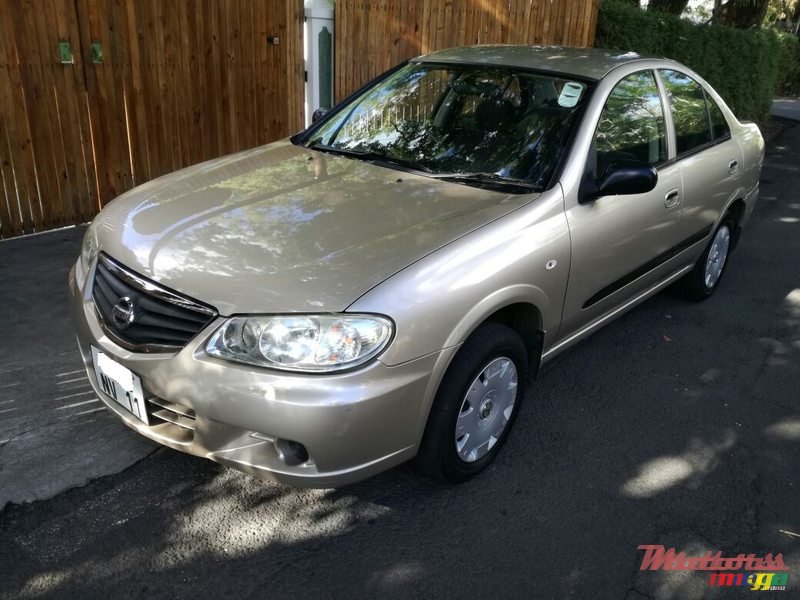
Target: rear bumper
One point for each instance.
(353, 424)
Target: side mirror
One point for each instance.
(318, 114)
(627, 177)
(624, 177)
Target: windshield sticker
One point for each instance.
(570, 94)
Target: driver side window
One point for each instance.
(631, 126)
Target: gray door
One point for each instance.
(709, 159)
(619, 242)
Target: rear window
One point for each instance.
(689, 111)
(719, 126)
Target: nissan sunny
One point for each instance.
(384, 285)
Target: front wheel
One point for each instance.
(476, 405)
(703, 279)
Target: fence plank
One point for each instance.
(38, 107)
(13, 184)
(60, 209)
(12, 105)
(374, 35)
(294, 66)
(10, 217)
(76, 100)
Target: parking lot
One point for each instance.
(679, 424)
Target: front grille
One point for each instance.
(141, 315)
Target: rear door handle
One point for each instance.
(672, 198)
(733, 167)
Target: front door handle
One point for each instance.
(733, 167)
(672, 198)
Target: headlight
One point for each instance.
(311, 343)
(88, 254)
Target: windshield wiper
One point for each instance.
(368, 155)
(489, 178)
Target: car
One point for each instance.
(384, 285)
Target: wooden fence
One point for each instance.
(97, 96)
(373, 35)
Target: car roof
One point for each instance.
(590, 63)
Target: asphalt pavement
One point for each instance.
(678, 424)
(54, 433)
(786, 108)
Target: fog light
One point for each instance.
(291, 453)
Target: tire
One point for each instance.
(474, 396)
(704, 278)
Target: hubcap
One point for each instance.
(486, 409)
(717, 256)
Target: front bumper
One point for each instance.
(353, 424)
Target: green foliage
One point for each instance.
(789, 70)
(743, 66)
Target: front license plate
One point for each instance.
(119, 383)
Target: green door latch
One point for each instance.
(97, 53)
(65, 52)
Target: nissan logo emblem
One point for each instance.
(124, 313)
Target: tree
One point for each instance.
(673, 7)
(743, 14)
(781, 14)
(794, 15)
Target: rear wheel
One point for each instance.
(704, 278)
(476, 405)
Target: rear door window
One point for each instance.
(689, 111)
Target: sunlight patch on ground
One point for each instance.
(792, 322)
(711, 375)
(793, 298)
(658, 475)
(44, 582)
(401, 573)
(665, 472)
(778, 352)
(788, 429)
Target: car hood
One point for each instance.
(284, 229)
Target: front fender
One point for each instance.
(513, 294)
(436, 302)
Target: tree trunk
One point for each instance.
(715, 11)
(673, 7)
(743, 14)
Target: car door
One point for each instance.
(709, 159)
(621, 243)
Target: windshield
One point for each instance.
(475, 122)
